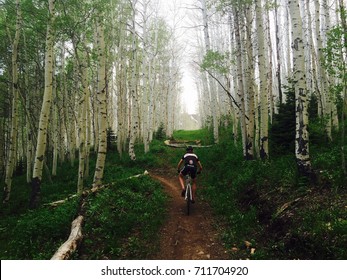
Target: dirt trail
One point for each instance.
(186, 237)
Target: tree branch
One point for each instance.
(225, 89)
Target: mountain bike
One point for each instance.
(188, 195)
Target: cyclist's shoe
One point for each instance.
(192, 201)
(183, 193)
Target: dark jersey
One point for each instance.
(190, 159)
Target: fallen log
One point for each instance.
(69, 246)
(92, 190)
(183, 145)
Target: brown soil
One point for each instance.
(183, 237)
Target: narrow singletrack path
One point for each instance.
(184, 237)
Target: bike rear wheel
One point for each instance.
(188, 190)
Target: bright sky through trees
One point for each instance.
(178, 15)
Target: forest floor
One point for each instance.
(183, 237)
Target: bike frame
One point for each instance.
(188, 195)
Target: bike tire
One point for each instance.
(188, 200)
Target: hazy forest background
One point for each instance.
(91, 89)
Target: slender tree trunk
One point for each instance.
(250, 86)
(45, 110)
(101, 96)
(322, 75)
(301, 102)
(269, 66)
(55, 129)
(264, 112)
(343, 14)
(83, 123)
(211, 84)
(28, 128)
(14, 118)
(314, 59)
(88, 135)
(278, 56)
(121, 94)
(240, 85)
(134, 121)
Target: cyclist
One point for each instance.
(191, 163)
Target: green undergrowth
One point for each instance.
(122, 223)
(263, 209)
(122, 217)
(267, 211)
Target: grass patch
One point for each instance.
(204, 135)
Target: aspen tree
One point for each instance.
(314, 60)
(67, 123)
(28, 128)
(333, 121)
(240, 81)
(322, 78)
(122, 109)
(264, 113)
(250, 86)
(45, 110)
(301, 102)
(14, 118)
(278, 55)
(287, 47)
(101, 99)
(210, 85)
(83, 122)
(146, 76)
(269, 66)
(134, 114)
(55, 129)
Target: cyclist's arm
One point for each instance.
(179, 164)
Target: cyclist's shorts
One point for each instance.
(189, 169)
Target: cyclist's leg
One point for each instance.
(181, 178)
(193, 189)
(193, 174)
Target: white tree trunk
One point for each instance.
(82, 132)
(211, 84)
(301, 101)
(14, 118)
(322, 75)
(250, 87)
(55, 129)
(134, 121)
(45, 110)
(240, 82)
(101, 97)
(264, 112)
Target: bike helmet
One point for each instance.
(189, 149)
